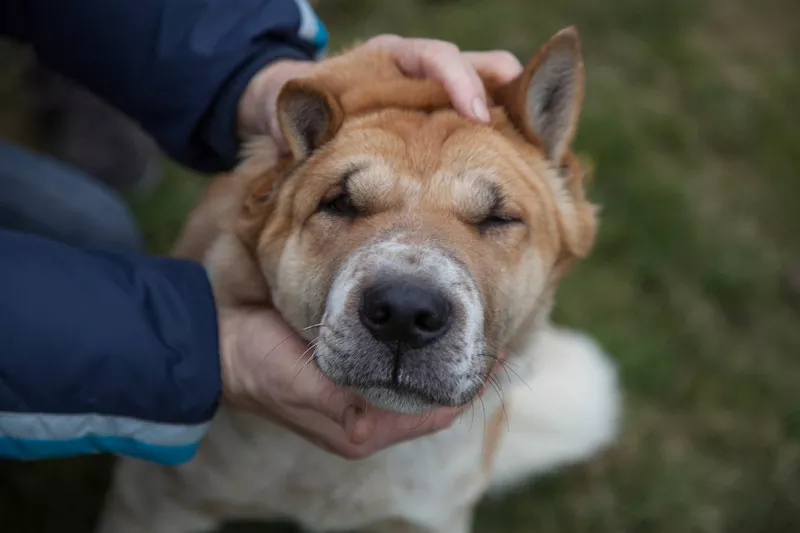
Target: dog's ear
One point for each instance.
(544, 102)
(309, 116)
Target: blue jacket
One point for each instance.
(108, 352)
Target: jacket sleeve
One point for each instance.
(103, 352)
(178, 67)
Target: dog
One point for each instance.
(423, 242)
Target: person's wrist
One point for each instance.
(234, 389)
(252, 119)
(256, 112)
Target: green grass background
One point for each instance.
(692, 122)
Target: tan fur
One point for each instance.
(366, 86)
(418, 169)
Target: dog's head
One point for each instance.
(410, 242)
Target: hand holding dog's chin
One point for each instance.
(267, 369)
(419, 58)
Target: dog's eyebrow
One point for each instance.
(495, 196)
(349, 172)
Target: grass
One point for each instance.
(691, 123)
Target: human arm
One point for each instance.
(361, 434)
(106, 352)
(103, 352)
(179, 67)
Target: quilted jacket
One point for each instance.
(113, 352)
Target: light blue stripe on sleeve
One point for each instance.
(39, 436)
(311, 27)
(30, 450)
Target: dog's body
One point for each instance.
(477, 222)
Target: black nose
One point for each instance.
(405, 312)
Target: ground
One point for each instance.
(690, 123)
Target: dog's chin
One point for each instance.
(401, 399)
(411, 391)
(391, 399)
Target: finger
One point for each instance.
(392, 428)
(430, 422)
(322, 395)
(382, 429)
(477, 102)
(441, 61)
(308, 388)
(501, 65)
(322, 431)
(386, 40)
(359, 427)
(327, 434)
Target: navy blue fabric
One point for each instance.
(178, 67)
(105, 333)
(124, 338)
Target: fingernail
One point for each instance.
(479, 109)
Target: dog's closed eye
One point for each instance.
(497, 215)
(339, 202)
(496, 221)
(340, 205)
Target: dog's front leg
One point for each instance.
(457, 522)
(145, 498)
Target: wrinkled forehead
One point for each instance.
(442, 161)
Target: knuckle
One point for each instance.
(354, 454)
(504, 56)
(444, 49)
(505, 61)
(384, 39)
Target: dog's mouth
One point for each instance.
(398, 384)
(421, 381)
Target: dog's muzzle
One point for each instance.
(403, 325)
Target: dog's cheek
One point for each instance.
(299, 290)
(519, 290)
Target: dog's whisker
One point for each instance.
(312, 345)
(482, 383)
(523, 380)
(460, 417)
(309, 358)
(483, 439)
(308, 361)
(294, 334)
(504, 361)
(505, 365)
(472, 419)
(500, 362)
(497, 387)
(423, 420)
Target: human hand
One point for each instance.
(267, 369)
(423, 58)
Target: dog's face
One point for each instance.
(411, 244)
